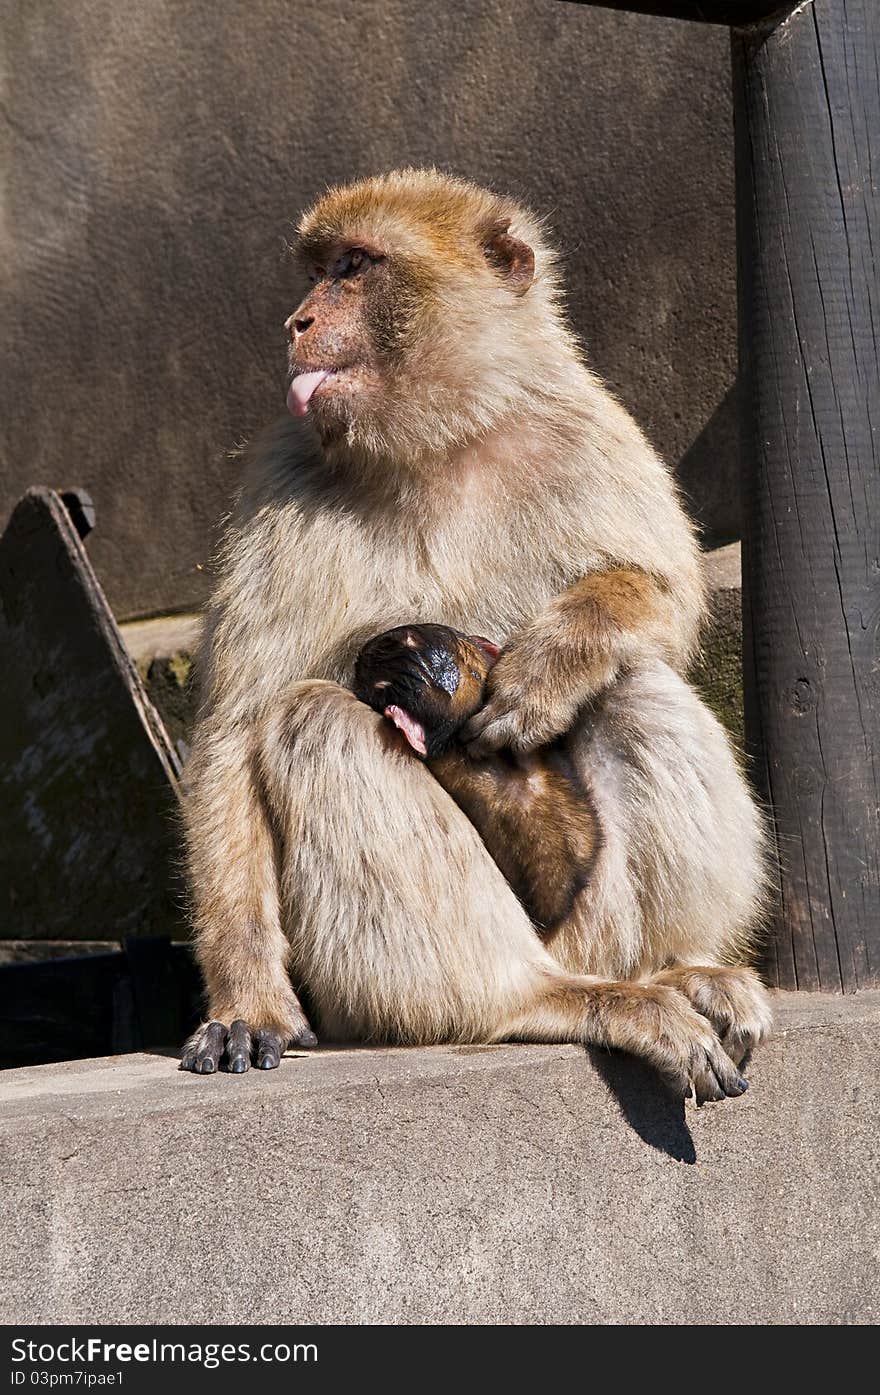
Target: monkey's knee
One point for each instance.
(316, 704)
(314, 720)
(320, 732)
(322, 713)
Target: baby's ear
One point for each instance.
(411, 729)
(486, 647)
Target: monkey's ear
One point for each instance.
(514, 259)
(486, 646)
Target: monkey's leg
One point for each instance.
(680, 878)
(537, 821)
(240, 946)
(734, 1000)
(403, 926)
(650, 1020)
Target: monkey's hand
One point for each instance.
(566, 655)
(524, 708)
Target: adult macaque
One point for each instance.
(531, 809)
(447, 455)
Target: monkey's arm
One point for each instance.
(570, 651)
(240, 945)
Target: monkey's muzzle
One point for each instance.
(302, 389)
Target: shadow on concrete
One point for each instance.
(647, 1104)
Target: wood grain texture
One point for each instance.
(88, 776)
(807, 104)
(738, 12)
(79, 1005)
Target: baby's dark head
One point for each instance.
(427, 679)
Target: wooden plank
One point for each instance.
(155, 968)
(63, 1009)
(88, 775)
(98, 1005)
(807, 104)
(734, 12)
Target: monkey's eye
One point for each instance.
(350, 263)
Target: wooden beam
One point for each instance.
(88, 775)
(807, 108)
(732, 12)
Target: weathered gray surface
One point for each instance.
(88, 778)
(723, 569)
(716, 670)
(707, 11)
(165, 636)
(521, 1184)
(155, 156)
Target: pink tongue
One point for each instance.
(300, 391)
(412, 730)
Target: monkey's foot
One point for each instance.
(650, 1020)
(681, 1044)
(735, 1001)
(214, 1046)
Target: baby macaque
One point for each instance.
(532, 811)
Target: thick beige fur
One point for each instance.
(479, 475)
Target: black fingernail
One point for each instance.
(307, 1038)
(267, 1062)
(237, 1065)
(207, 1066)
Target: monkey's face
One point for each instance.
(427, 679)
(415, 334)
(337, 354)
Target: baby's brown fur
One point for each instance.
(532, 810)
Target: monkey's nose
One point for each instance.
(297, 325)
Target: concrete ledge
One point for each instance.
(162, 637)
(517, 1184)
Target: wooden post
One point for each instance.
(807, 110)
